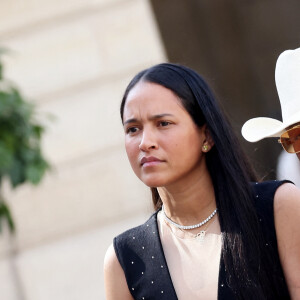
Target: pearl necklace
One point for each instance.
(190, 226)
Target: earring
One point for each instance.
(205, 148)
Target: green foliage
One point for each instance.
(21, 159)
(5, 214)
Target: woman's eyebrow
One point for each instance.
(159, 116)
(151, 118)
(133, 120)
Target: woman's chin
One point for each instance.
(153, 182)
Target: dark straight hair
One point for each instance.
(231, 175)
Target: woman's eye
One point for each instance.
(132, 130)
(164, 123)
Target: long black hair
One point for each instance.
(231, 175)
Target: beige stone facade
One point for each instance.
(74, 59)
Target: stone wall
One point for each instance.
(73, 59)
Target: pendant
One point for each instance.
(200, 236)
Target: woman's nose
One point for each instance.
(148, 141)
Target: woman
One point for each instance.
(213, 235)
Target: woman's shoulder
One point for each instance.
(116, 260)
(268, 187)
(265, 198)
(264, 193)
(140, 255)
(287, 214)
(287, 200)
(113, 270)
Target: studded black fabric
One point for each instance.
(140, 253)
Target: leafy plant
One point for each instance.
(21, 159)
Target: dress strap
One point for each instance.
(139, 251)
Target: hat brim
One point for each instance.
(257, 129)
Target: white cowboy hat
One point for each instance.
(287, 78)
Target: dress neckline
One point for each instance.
(164, 257)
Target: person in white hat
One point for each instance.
(287, 78)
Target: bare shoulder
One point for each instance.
(287, 194)
(287, 216)
(114, 277)
(287, 209)
(110, 259)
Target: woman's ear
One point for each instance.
(208, 142)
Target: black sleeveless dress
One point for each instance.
(140, 253)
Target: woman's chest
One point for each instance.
(193, 263)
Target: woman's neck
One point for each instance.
(189, 202)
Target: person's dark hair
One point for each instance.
(231, 175)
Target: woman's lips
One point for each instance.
(150, 161)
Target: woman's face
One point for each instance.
(162, 142)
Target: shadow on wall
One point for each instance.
(234, 45)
